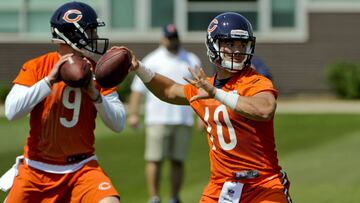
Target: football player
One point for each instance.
(59, 164)
(237, 106)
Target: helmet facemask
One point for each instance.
(93, 43)
(228, 60)
(235, 60)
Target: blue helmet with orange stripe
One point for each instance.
(75, 24)
(227, 27)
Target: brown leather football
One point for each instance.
(113, 67)
(75, 72)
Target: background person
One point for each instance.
(168, 127)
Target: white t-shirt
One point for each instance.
(175, 67)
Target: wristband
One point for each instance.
(227, 98)
(145, 74)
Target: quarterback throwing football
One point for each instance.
(59, 162)
(237, 106)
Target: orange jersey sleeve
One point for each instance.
(62, 125)
(237, 143)
(36, 69)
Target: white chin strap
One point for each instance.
(228, 64)
(65, 40)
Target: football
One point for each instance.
(75, 72)
(113, 67)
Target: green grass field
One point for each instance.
(319, 153)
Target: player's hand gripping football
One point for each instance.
(53, 76)
(89, 86)
(134, 61)
(205, 88)
(133, 58)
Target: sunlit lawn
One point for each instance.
(319, 153)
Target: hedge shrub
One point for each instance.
(4, 91)
(344, 78)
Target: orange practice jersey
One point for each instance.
(61, 125)
(237, 143)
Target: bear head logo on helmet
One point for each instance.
(75, 24)
(230, 26)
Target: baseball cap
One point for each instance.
(170, 31)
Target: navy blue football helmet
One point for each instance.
(229, 26)
(76, 23)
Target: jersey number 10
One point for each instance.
(219, 127)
